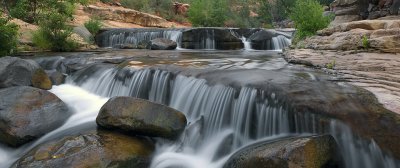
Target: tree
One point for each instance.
(308, 18)
(8, 37)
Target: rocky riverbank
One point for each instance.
(363, 52)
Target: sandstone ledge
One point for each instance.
(378, 73)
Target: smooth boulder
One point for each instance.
(162, 44)
(141, 117)
(27, 113)
(91, 149)
(299, 152)
(22, 72)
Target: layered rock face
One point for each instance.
(128, 16)
(353, 10)
(381, 35)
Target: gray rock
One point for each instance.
(22, 72)
(84, 33)
(57, 78)
(27, 113)
(91, 149)
(141, 117)
(162, 44)
(303, 152)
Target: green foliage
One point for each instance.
(8, 37)
(208, 13)
(308, 18)
(365, 42)
(93, 25)
(331, 65)
(32, 10)
(54, 34)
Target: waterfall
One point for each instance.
(280, 42)
(207, 40)
(247, 44)
(199, 38)
(222, 119)
(134, 37)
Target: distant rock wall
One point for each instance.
(128, 16)
(353, 10)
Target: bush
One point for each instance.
(93, 25)
(365, 42)
(208, 13)
(54, 34)
(308, 18)
(8, 37)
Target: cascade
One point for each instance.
(223, 119)
(206, 38)
(121, 37)
(247, 44)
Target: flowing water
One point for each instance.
(205, 39)
(222, 119)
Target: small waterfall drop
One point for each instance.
(247, 44)
(207, 41)
(280, 42)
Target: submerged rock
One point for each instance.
(306, 152)
(162, 44)
(92, 149)
(22, 72)
(141, 117)
(27, 113)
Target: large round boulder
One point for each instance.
(303, 152)
(162, 44)
(22, 72)
(91, 149)
(27, 113)
(141, 117)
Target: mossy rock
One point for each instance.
(41, 80)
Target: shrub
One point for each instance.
(8, 37)
(365, 42)
(308, 18)
(54, 34)
(93, 25)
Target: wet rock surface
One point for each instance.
(90, 149)
(141, 117)
(162, 44)
(223, 39)
(302, 152)
(27, 113)
(22, 72)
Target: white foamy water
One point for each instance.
(85, 107)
